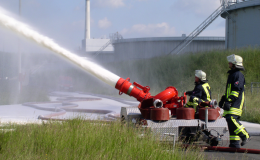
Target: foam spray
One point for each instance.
(94, 69)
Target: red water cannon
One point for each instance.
(159, 107)
(141, 93)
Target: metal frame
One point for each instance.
(173, 136)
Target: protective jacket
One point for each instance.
(201, 93)
(235, 92)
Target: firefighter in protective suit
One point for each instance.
(201, 92)
(233, 101)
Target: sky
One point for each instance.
(64, 20)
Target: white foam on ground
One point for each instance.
(21, 114)
(94, 69)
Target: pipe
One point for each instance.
(206, 118)
(158, 103)
(226, 149)
(87, 25)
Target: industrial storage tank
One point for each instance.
(242, 24)
(143, 48)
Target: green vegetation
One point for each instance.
(79, 139)
(251, 112)
(178, 71)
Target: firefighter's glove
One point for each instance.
(226, 106)
(189, 93)
(221, 102)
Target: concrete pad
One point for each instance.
(252, 128)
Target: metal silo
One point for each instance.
(242, 24)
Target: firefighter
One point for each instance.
(201, 92)
(233, 101)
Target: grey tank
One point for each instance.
(242, 24)
(144, 48)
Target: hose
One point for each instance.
(225, 149)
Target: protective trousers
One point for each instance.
(236, 130)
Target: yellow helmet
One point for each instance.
(236, 60)
(201, 75)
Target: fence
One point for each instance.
(255, 87)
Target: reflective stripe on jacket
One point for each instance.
(201, 93)
(206, 89)
(235, 92)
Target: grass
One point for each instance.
(251, 112)
(78, 139)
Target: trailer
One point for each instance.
(180, 129)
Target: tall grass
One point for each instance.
(78, 139)
(251, 111)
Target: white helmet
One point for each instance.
(201, 75)
(236, 60)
